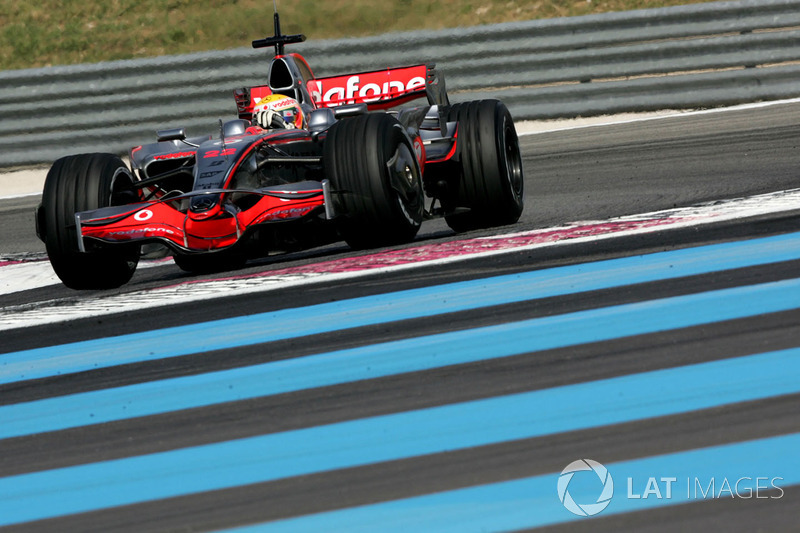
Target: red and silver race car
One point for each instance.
(333, 163)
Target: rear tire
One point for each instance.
(82, 183)
(490, 184)
(375, 180)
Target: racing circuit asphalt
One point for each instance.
(591, 173)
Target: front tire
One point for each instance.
(490, 183)
(376, 180)
(82, 183)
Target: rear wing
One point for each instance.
(379, 89)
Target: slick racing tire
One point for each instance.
(490, 182)
(375, 180)
(82, 183)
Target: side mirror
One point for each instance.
(174, 134)
(349, 110)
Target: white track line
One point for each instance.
(548, 126)
(64, 309)
(26, 275)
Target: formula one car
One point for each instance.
(333, 163)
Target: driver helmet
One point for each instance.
(286, 107)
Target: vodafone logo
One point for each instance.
(176, 155)
(352, 90)
(144, 214)
(270, 103)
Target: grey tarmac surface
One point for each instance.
(580, 174)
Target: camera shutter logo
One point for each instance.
(585, 509)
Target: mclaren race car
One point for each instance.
(307, 162)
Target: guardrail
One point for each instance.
(701, 55)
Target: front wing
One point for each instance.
(216, 229)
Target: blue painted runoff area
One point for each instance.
(428, 301)
(263, 458)
(745, 470)
(392, 358)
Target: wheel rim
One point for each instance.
(121, 191)
(404, 180)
